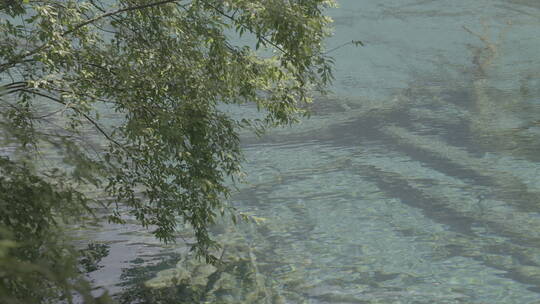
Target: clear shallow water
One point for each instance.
(418, 182)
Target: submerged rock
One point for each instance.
(168, 278)
(201, 273)
(237, 278)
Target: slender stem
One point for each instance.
(111, 13)
(266, 40)
(93, 122)
(45, 45)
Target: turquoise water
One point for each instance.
(416, 181)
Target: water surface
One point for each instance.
(417, 181)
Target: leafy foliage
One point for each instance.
(92, 255)
(36, 264)
(132, 95)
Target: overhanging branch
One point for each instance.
(266, 40)
(115, 12)
(88, 118)
(45, 45)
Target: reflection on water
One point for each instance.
(420, 183)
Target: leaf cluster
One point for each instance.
(36, 263)
(133, 95)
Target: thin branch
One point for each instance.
(96, 66)
(14, 85)
(353, 42)
(80, 94)
(266, 40)
(42, 117)
(483, 38)
(14, 107)
(97, 6)
(93, 122)
(111, 13)
(17, 59)
(45, 45)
